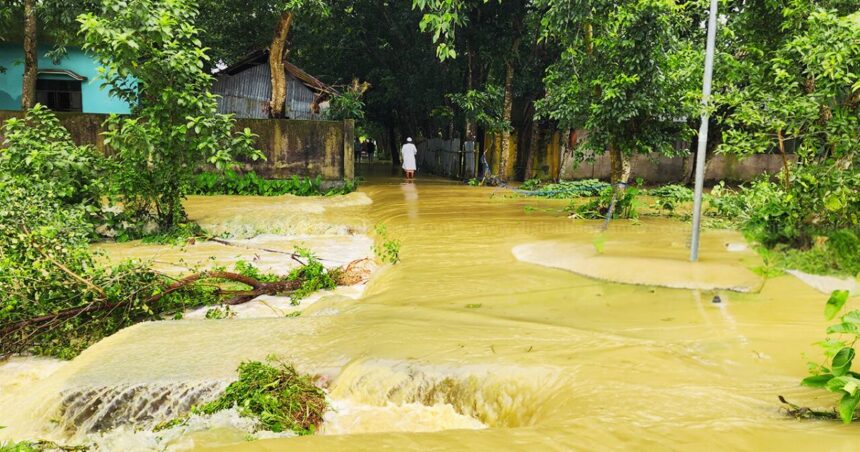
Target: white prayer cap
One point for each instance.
(409, 140)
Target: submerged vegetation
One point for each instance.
(274, 394)
(386, 248)
(564, 189)
(232, 183)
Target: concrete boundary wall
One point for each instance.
(653, 168)
(657, 168)
(292, 147)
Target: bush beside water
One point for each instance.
(233, 183)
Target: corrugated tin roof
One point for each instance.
(262, 56)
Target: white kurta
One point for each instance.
(408, 153)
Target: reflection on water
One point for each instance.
(462, 335)
(410, 198)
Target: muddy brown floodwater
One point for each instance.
(463, 346)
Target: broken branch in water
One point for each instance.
(21, 335)
(799, 412)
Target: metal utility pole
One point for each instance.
(703, 132)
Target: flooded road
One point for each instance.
(463, 346)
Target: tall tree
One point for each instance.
(31, 56)
(157, 66)
(623, 76)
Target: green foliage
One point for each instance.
(386, 248)
(46, 267)
(220, 313)
(531, 184)
(670, 196)
(484, 107)
(179, 234)
(810, 226)
(276, 395)
(819, 202)
(845, 248)
(39, 153)
(835, 374)
(626, 203)
(571, 189)
(349, 104)
(157, 66)
(624, 74)
(245, 268)
(233, 183)
(803, 88)
(313, 274)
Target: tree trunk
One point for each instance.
(785, 166)
(395, 148)
(508, 158)
(471, 124)
(620, 164)
(534, 145)
(565, 159)
(31, 56)
(277, 56)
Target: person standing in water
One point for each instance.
(407, 156)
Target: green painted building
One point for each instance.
(70, 84)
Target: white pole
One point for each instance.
(703, 132)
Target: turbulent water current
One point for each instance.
(505, 326)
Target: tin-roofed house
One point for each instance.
(245, 90)
(69, 84)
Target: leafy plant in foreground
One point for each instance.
(835, 375)
(275, 394)
(386, 249)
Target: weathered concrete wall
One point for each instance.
(301, 148)
(656, 168)
(653, 168)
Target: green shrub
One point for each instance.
(626, 204)
(313, 274)
(276, 395)
(250, 184)
(39, 154)
(845, 248)
(531, 184)
(570, 189)
(670, 196)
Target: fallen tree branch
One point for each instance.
(104, 306)
(18, 336)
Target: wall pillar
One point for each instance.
(348, 149)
